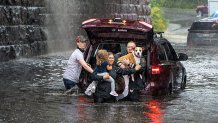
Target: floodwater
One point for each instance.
(31, 92)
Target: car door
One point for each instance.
(175, 65)
(165, 66)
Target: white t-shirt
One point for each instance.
(74, 68)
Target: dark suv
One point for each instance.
(203, 32)
(163, 70)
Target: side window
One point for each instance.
(123, 48)
(161, 54)
(171, 54)
(114, 48)
(88, 53)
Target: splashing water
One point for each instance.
(59, 22)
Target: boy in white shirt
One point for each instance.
(75, 64)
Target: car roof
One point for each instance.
(208, 19)
(204, 25)
(117, 29)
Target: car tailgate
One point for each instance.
(118, 29)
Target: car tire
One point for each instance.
(170, 85)
(183, 84)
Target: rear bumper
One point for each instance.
(154, 88)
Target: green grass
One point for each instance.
(184, 4)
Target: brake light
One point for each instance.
(155, 69)
(146, 24)
(87, 21)
(110, 21)
(124, 22)
(117, 21)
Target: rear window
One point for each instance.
(204, 26)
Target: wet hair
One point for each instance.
(110, 53)
(101, 56)
(81, 38)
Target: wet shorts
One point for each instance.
(68, 83)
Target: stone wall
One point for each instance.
(128, 9)
(33, 27)
(22, 28)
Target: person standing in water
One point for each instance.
(75, 64)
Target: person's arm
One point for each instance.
(86, 66)
(125, 71)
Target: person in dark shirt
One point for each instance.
(102, 91)
(131, 45)
(101, 70)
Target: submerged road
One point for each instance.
(31, 92)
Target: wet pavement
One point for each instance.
(31, 91)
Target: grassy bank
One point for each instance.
(184, 4)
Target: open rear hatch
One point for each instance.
(117, 29)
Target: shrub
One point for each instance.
(184, 4)
(158, 21)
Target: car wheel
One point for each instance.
(183, 84)
(170, 85)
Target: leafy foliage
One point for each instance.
(185, 4)
(158, 21)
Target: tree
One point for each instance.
(158, 21)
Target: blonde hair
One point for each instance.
(101, 56)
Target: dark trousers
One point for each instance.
(68, 83)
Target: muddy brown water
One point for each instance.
(31, 92)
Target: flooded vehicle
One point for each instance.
(203, 32)
(163, 71)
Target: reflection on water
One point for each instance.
(31, 90)
(154, 112)
(81, 109)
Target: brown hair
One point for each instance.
(101, 56)
(110, 53)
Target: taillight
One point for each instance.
(87, 21)
(155, 69)
(146, 24)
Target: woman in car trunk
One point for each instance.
(103, 88)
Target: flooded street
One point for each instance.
(31, 91)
